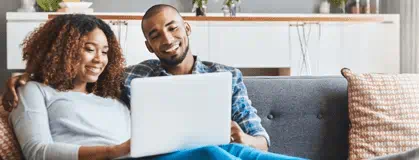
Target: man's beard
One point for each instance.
(176, 61)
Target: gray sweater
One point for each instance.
(53, 125)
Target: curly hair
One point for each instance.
(53, 54)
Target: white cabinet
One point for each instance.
(249, 44)
(304, 48)
(330, 49)
(262, 44)
(16, 33)
(134, 47)
(198, 39)
(364, 47)
(371, 47)
(131, 40)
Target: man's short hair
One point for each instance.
(155, 10)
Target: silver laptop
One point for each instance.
(174, 113)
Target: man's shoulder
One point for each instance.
(148, 64)
(217, 67)
(144, 68)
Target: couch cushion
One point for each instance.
(384, 113)
(304, 116)
(9, 147)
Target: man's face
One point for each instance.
(167, 36)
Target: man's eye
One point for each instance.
(154, 36)
(173, 28)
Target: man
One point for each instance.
(166, 36)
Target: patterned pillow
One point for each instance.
(383, 112)
(9, 147)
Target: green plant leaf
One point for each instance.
(200, 3)
(230, 2)
(49, 5)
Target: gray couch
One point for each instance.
(304, 116)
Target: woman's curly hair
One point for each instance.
(53, 54)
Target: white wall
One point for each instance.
(250, 6)
(5, 6)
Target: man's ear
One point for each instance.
(148, 47)
(188, 29)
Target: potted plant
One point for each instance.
(49, 5)
(340, 4)
(232, 5)
(200, 7)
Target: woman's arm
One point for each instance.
(31, 126)
(104, 152)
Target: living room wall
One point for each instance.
(5, 6)
(250, 6)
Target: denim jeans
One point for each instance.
(230, 151)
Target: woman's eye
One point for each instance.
(89, 50)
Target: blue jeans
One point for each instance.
(230, 151)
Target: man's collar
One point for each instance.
(198, 68)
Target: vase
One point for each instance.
(342, 7)
(324, 7)
(233, 10)
(27, 6)
(226, 11)
(201, 11)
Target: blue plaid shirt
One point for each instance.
(242, 111)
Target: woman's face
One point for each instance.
(94, 57)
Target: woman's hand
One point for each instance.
(104, 152)
(120, 150)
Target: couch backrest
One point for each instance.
(304, 116)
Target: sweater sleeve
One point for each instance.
(31, 127)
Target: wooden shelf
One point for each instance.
(266, 71)
(367, 18)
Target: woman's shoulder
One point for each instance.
(34, 85)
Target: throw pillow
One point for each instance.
(383, 113)
(9, 147)
(407, 155)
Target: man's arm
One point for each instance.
(9, 98)
(245, 115)
(141, 70)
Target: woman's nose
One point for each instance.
(98, 57)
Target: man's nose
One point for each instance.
(167, 38)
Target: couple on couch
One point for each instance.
(75, 80)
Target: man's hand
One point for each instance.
(10, 98)
(238, 136)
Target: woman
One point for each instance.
(70, 109)
(64, 113)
